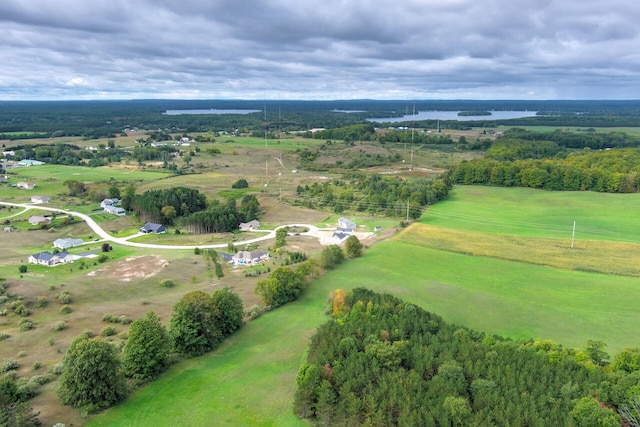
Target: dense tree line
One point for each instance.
(612, 171)
(381, 361)
(585, 139)
(360, 132)
(183, 201)
(376, 194)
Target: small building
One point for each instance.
(249, 257)
(109, 202)
(251, 225)
(26, 185)
(151, 228)
(8, 153)
(51, 259)
(377, 228)
(346, 224)
(67, 243)
(40, 199)
(339, 237)
(39, 219)
(30, 162)
(115, 210)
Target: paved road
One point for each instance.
(313, 231)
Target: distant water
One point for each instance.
(209, 111)
(335, 110)
(453, 115)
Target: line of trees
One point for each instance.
(381, 361)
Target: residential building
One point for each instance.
(26, 185)
(67, 243)
(52, 259)
(115, 210)
(151, 228)
(39, 219)
(251, 225)
(249, 257)
(40, 199)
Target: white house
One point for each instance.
(38, 219)
(249, 257)
(346, 224)
(51, 260)
(251, 225)
(30, 162)
(40, 199)
(109, 202)
(26, 185)
(67, 243)
(115, 210)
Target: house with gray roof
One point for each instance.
(52, 259)
(67, 243)
(249, 257)
(151, 228)
(346, 224)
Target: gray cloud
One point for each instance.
(319, 50)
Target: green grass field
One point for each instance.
(535, 213)
(63, 173)
(250, 380)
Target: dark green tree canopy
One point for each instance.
(145, 355)
(193, 329)
(283, 285)
(331, 257)
(353, 247)
(92, 378)
(228, 311)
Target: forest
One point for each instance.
(380, 361)
(374, 194)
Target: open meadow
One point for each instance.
(250, 380)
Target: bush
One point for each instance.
(23, 269)
(125, 320)
(26, 325)
(66, 309)
(64, 297)
(4, 336)
(21, 310)
(109, 318)
(41, 302)
(167, 283)
(108, 331)
(36, 365)
(59, 325)
(9, 365)
(22, 353)
(103, 258)
(241, 183)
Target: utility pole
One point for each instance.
(573, 235)
(408, 210)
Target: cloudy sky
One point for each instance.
(319, 49)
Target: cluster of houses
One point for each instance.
(59, 256)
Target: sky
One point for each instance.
(319, 49)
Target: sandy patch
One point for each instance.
(132, 268)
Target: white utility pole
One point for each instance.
(573, 234)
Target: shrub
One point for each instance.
(36, 365)
(21, 310)
(23, 269)
(9, 365)
(64, 297)
(4, 336)
(26, 325)
(51, 341)
(22, 353)
(125, 320)
(167, 283)
(41, 302)
(123, 335)
(197, 251)
(57, 368)
(108, 331)
(109, 318)
(241, 183)
(59, 325)
(103, 258)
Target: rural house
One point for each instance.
(251, 225)
(346, 225)
(115, 210)
(249, 257)
(67, 243)
(51, 260)
(109, 202)
(40, 199)
(39, 219)
(26, 185)
(151, 228)
(30, 162)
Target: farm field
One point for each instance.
(516, 299)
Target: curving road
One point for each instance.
(313, 231)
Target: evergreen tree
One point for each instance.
(145, 355)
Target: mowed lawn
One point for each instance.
(85, 174)
(536, 213)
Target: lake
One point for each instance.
(453, 115)
(209, 111)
